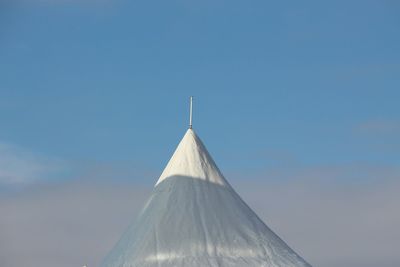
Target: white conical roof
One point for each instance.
(191, 159)
(195, 219)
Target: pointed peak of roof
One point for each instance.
(191, 159)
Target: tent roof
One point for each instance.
(191, 159)
(194, 218)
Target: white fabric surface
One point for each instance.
(195, 219)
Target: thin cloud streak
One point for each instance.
(379, 127)
(19, 166)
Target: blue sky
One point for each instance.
(296, 99)
(109, 80)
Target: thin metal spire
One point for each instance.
(191, 113)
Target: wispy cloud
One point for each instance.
(19, 166)
(379, 127)
(381, 134)
(341, 174)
